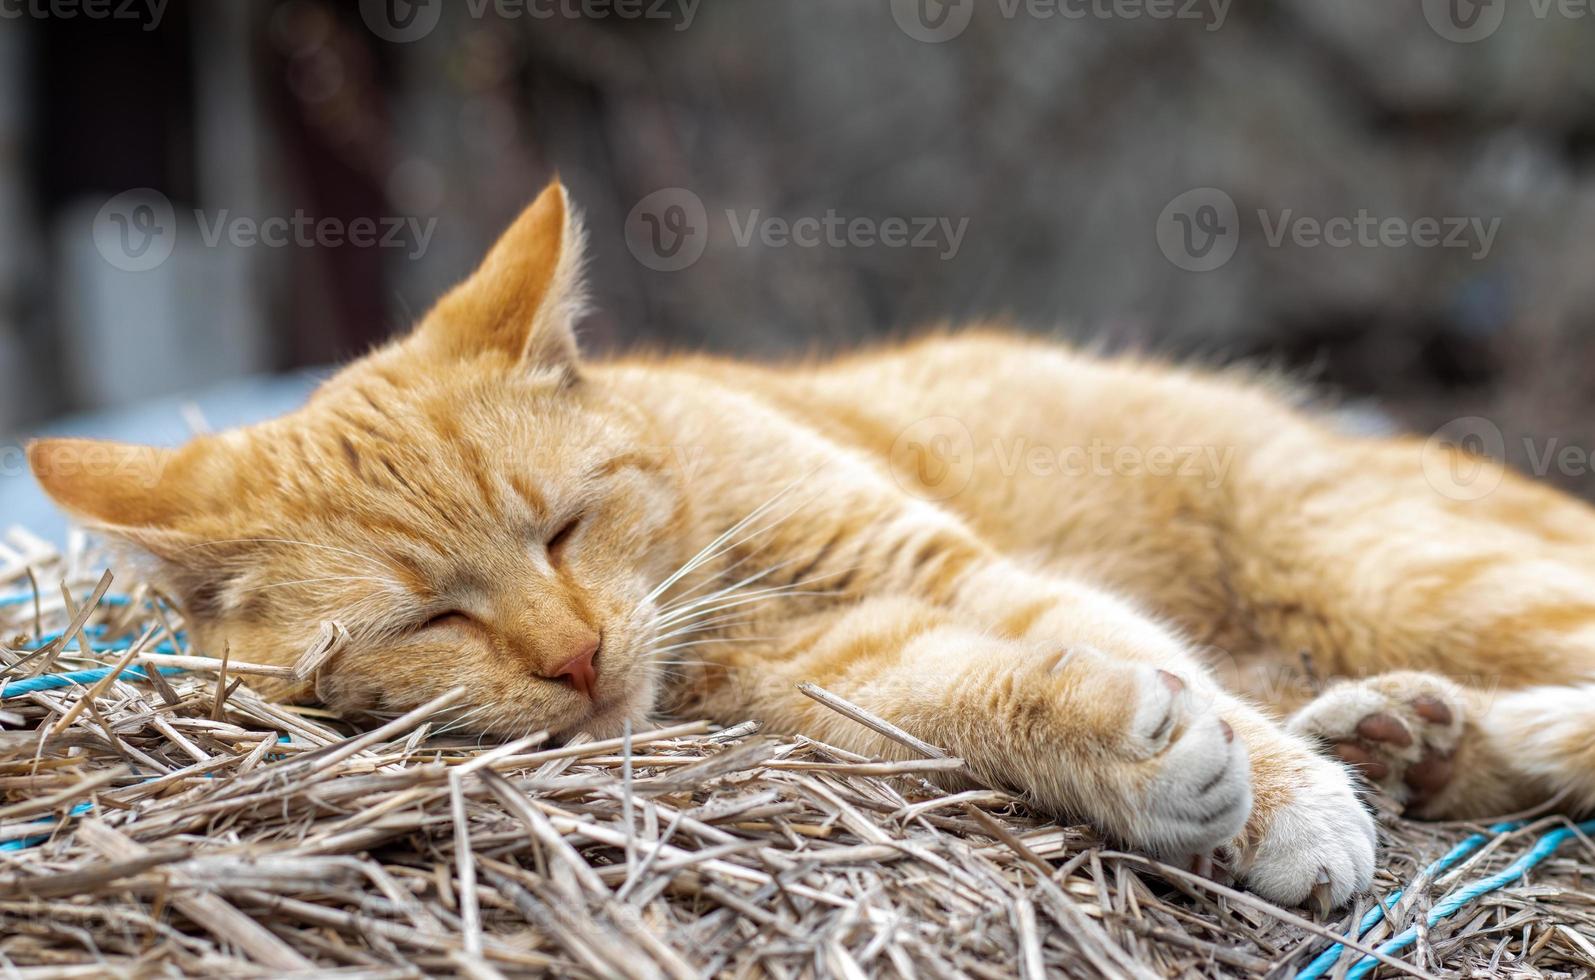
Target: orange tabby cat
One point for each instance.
(1028, 556)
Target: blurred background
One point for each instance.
(203, 203)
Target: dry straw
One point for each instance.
(180, 824)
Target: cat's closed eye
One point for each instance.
(556, 543)
(451, 618)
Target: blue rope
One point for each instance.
(50, 682)
(1453, 901)
(22, 842)
(1326, 960)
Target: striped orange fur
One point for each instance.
(1157, 598)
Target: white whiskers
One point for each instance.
(728, 540)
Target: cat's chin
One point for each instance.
(611, 722)
(609, 718)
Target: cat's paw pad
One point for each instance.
(1199, 791)
(1399, 731)
(1316, 847)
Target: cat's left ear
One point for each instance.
(524, 300)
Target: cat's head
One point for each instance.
(470, 507)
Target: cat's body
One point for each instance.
(1091, 579)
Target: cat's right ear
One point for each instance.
(113, 485)
(170, 504)
(523, 302)
(154, 498)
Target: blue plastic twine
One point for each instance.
(50, 682)
(22, 842)
(1453, 901)
(86, 642)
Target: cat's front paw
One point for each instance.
(1128, 747)
(1311, 840)
(1198, 791)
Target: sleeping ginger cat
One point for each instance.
(1114, 632)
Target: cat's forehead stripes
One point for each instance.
(468, 469)
(648, 462)
(449, 493)
(527, 490)
(364, 391)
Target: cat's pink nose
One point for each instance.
(579, 670)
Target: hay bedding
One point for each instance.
(180, 824)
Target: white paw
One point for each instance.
(1318, 844)
(1199, 794)
(1399, 730)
